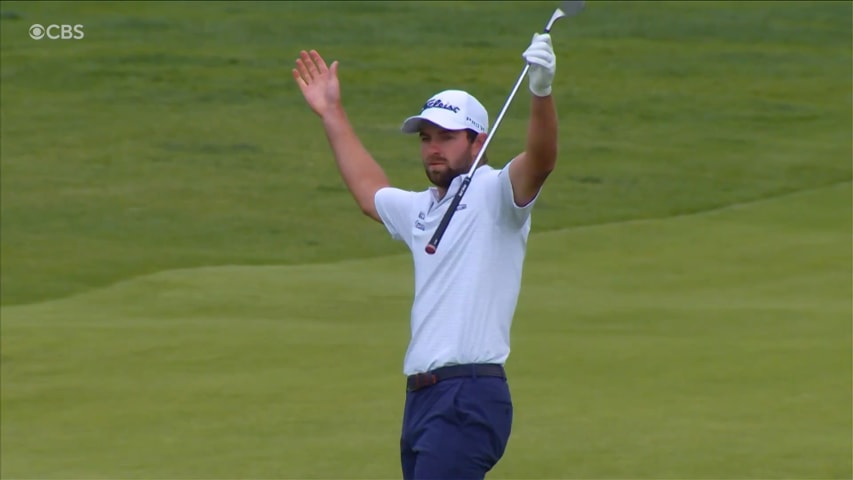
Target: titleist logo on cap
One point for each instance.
(437, 103)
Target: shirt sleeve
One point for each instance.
(508, 211)
(395, 209)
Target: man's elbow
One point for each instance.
(371, 213)
(367, 205)
(366, 198)
(545, 165)
(544, 159)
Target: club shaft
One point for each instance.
(498, 120)
(439, 232)
(432, 246)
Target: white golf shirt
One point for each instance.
(466, 292)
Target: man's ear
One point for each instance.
(480, 140)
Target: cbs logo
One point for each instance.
(57, 32)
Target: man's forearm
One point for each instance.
(360, 172)
(542, 133)
(541, 148)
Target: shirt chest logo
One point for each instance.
(419, 223)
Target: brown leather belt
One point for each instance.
(422, 380)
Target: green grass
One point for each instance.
(706, 346)
(188, 290)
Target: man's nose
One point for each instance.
(432, 147)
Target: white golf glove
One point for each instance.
(543, 64)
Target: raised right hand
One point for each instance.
(319, 84)
(543, 64)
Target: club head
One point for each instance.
(571, 7)
(567, 8)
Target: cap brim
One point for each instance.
(437, 116)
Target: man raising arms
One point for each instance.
(458, 409)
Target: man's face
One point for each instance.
(446, 153)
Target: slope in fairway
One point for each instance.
(173, 136)
(706, 346)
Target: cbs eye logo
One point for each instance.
(57, 32)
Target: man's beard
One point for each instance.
(444, 178)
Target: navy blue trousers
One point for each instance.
(456, 429)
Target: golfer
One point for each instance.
(458, 410)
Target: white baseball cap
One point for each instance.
(453, 110)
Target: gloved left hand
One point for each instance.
(543, 64)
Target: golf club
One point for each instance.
(567, 8)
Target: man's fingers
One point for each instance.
(538, 54)
(321, 64)
(309, 64)
(546, 61)
(298, 77)
(537, 51)
(543, 38)
(303, 70)
(543, 60)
